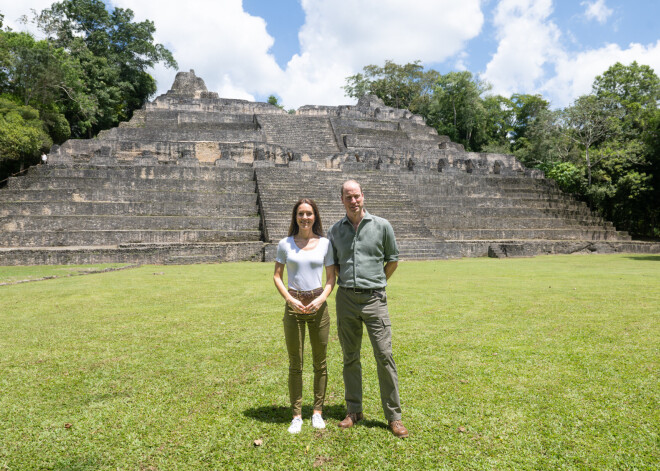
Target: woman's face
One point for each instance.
(305, 216)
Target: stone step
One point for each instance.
(477, 202)
(149, 208)
(509, 211)
(279, 222)
(111, 195)
(129, 172)
(132, 253)
(168, 117)
(466, 222)
(185, 134)
(132, 184)
(580, 233)
(107, 237)
(125, 223)
(414, 180)
(484, 190)
(528, 248)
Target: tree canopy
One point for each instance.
(89, 73)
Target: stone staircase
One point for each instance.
(485, 215)
(280, 187)
(509, 215)
(309, 135)
(157, 214)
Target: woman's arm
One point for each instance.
(329, 286)
(279, 284)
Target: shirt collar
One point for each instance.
(366, 217)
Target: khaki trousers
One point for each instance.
(294, 333)
(370, 309)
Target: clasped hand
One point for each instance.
(310, 308)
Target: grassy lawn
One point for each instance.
(542, 363)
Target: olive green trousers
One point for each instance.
(295, 326)
(369, 309)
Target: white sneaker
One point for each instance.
(317, 421)
(296, 425)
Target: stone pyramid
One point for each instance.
(197, 178)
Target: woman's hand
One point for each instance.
(296, 305)
(314, 305)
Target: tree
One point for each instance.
(41, 76)
(22, 136)
(634, 89)
(544, 142)
(500, 118)
(591, 120)
(114, 54)
(526, 109)
(406, 86)
(273, 100)
(458, 109)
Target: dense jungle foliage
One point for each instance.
(88, 73)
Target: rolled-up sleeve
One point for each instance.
(329, 255)
(390, 249)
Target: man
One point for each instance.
(366, 254)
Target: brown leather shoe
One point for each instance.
(397, 428)
(351, 419)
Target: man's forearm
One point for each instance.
(389, 269)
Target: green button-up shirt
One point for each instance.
(361, 255)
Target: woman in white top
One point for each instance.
(304, 253)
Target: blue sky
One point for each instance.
(302, 50)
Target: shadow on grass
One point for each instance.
(650, 258)
(282, 415)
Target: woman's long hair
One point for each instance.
(317, 227)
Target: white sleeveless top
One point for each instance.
(304, 267)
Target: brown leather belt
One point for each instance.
(306, 297)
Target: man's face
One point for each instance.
(353, 199)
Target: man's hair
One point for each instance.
(350, 181)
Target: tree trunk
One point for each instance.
(588, 167)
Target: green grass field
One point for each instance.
(541, 363)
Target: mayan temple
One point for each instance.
(197, 178)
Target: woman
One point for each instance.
(305, 252)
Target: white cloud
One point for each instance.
(460, 61)
(13, 12)
(229, 48)
(528, 42)
(225, 46)
(340, 37)
(531, 58)
(575, 73)
(597, 10)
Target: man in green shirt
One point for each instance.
(366, 252)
